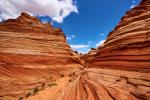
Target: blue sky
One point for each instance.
(86, 23)
(96, 18)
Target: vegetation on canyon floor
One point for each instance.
(35, 90)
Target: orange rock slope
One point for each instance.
(128, 45)
(34, 43)
(37, 64)
(31, 53)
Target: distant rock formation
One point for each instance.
(128, 45)
(89, 56)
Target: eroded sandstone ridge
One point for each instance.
(30, 53)
(39, 65)
(128, 45)
(34, 42)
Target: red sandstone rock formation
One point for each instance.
(31, 51)
(87, 57)
(128, 45)
(33, 42)
(30, 57)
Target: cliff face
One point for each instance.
(128, 45)
(33, 43)
(30, 52)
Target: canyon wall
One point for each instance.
(37, 64)
(31, 53)
(128, 45)
(33, 43)
(117, 70)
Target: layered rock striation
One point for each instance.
(33, 42)
(118, 70)
(89, 56)
(128, 45)
(31, 53)
(99, 84)
(37, 64)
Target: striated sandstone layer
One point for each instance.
(118, 70)
(89, 56)
(128, 45)
(23, 66)
(31, 53)
(99, 84)
(33, 42)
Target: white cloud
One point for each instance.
(132, 6)
(89, 42)
(84, 50)
(133, 1)
(56, 9)
(0, 19)
(100, 43)
(79, 46)
(102, 34)
(70, 37)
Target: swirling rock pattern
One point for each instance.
(26, 36)
(99, 84)
(31, 53)
(128, 45)
(117, 70)
(120, 70)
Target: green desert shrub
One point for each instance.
(43, 84)
(35, 90)
(20, 98)
(52, 84)
(76, 52)
(28, 94)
